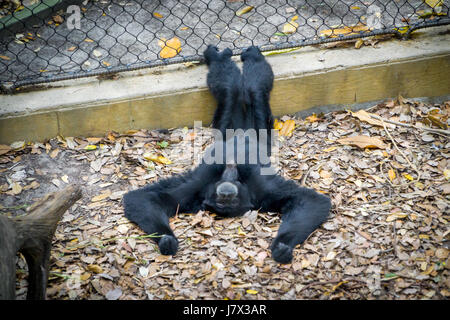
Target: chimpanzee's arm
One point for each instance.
(303, 211)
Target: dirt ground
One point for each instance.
(387, 236)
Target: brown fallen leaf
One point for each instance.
(16, 188)
(363, 142)
(4, 149)
(54, 153)
(95, 268)
(101, 196)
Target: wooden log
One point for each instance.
(32, 235)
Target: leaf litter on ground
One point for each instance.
(387, 236)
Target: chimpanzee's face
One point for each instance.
(228, 197)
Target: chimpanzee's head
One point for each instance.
(212, 54)
(252, 53)
(229, 196)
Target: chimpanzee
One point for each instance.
(231, 187)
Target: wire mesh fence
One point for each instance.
(48, 40)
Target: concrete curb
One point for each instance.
(176, 95)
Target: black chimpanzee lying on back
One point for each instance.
(232, 188)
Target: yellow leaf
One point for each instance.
(294, 18)
(359, 43)
(5, 58)
(407, 176)
(85, 276)
(391, 174)
(95, 268)
(288, 128)
(240, 232)
(106, 63)
(355, 8)
(277, 124)
(244, 10)
(447, 174)
(329, 149)
(250, 291)
(101, 197)
(270, 53)
(290, 27)
(71, 48)
(184, 28)
(312, 118)
(65, 178)
(157, 15)
(170, 48)
(54, 153)
(434, 3)
(88, 40)
(402, 30)
(155, 158)
(90, 147)
(363, 142)
(348, 30)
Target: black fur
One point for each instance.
(257, 79)
(225, 83)
(302, 209)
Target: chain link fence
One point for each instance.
(49, 40)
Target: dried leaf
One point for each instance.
(365, 116)
(363, 142)
(155, 158)
(244, 10)
(16, 188)
(290, 27)
(395, 216)
(114, 294)
(170, 48)
(288, 128)
(102, 196)
(4, 149)
(17, 145)
(157, 15)
(391, 174)
(95, 268)
(312, 118)
(90, 147)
